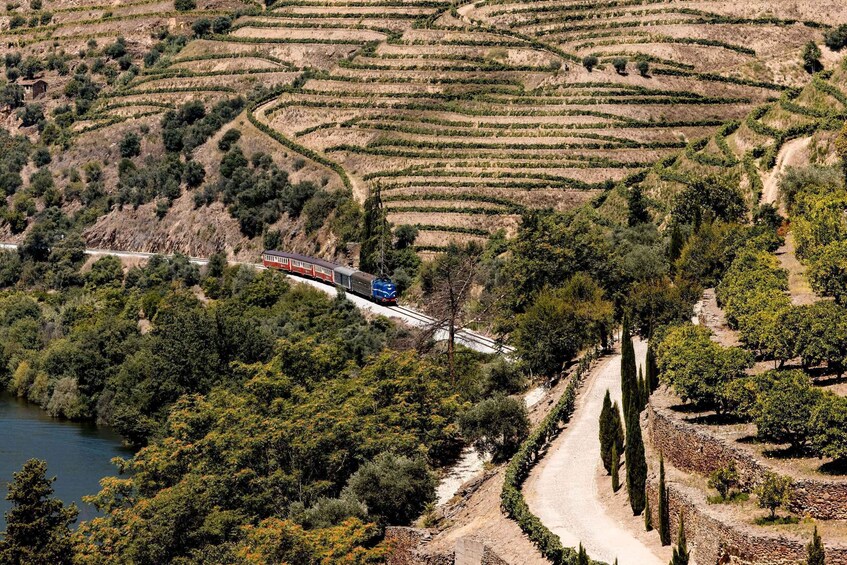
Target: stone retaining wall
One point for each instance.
(406, 543)
(692, 448)
(712, 541)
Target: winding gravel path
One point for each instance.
(562, 490)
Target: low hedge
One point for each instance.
(511, 498)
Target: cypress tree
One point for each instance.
(617, 427)
(815, 550)
(611, 431)
(676, 244)
(652, 371)
(680, 552)
(664, 515)
(648, 517)
(629, 374)
(637, 205)
(642, 390)
(636, 463)
(582, 556)
(616, 463)
(37, 525)
(607, 434)
(376, 234)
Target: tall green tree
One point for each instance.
(680, 552)
(629, 373)
(637, 205)
(815, 551)
(652, 371)
(561, 322)
(37, 525)
(664, 515)
(611, 431)
(698, 368)
(496, 426)
(395, 488)
(616, 465)
(376, 235)
(582, 556)
(643, 392)
(636, 463)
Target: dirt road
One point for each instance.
(563, 488)
(792, 154)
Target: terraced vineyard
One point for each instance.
(466, 115)
(748, 149)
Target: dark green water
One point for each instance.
(77, 454)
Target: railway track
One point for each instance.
(467, 338)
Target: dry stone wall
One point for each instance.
(711, 540)
(406, 542)
(692, 448)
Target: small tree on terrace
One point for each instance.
(697, 367)
(811, 57)
(829, 427)
(130, 145)
(814, 551)
(619, 63)
(773, 492)
(589, 62)
(836, 39)
(724, 480)
(784, 410)
(643, 68)
(680, 552)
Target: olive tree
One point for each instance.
(394, 488)
(496, 426)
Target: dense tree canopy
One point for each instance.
(698, 368)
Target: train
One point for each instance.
(379, 289)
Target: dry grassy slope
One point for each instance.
(463, 117)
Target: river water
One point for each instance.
(77, 454)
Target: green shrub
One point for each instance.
(619, 64)
(130, 145)
(836, 38)
(589, 62)
(185, 5)
(394, 488)
(496, 426)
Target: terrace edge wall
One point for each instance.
(691, 448)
